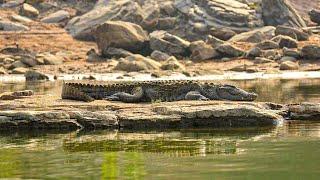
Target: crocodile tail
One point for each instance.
(70, 92)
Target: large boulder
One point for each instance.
(119, 34)
(228, 50)
(113, 10)
(315, 16)
(202, 51)
(56, 17)
(255, 36)
(311, 52)
(137, 62)
(280, 12)
(11, 26)
(292, 32)
(168, 43)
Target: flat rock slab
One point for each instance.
(50, 112)
(304, 111)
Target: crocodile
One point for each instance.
(152, 91)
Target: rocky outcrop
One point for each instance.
(191, 19)
(119, 34)
(168, 43)
(124, 10)
(280, 12)
(311, 52)
(145, 116)
(219, 13)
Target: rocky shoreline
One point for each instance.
(44, 112)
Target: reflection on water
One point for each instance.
(162, 155)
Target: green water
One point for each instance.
(291, 151)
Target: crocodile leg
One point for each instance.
(195, 95)
(136, 96)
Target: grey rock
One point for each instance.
(112, 52)
(213, 41)
(29, 60)
(202, 51)
(173, 64)
(119, 34)
(315, 16)
(285, 41)
(28, 10)
(20, 19)
(267, 44)
(280, 12)
(222, 33)
(159, 56)
(166, 42)
(289, 65)
(227, 50)
(288, 58)
(271, 54)
(261, 60)
(136, 63)
(291, 52)
(12, 4)
(11, 26)
(56, 17)
(50, 59)
(255, 36)
(18, 64)
(35, 76)
(19, 70)
(292, 32)
(254, 52)
(311, 51)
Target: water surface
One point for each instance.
(291, 151)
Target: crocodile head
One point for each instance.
(228, 92)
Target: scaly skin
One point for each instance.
(149, 91)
